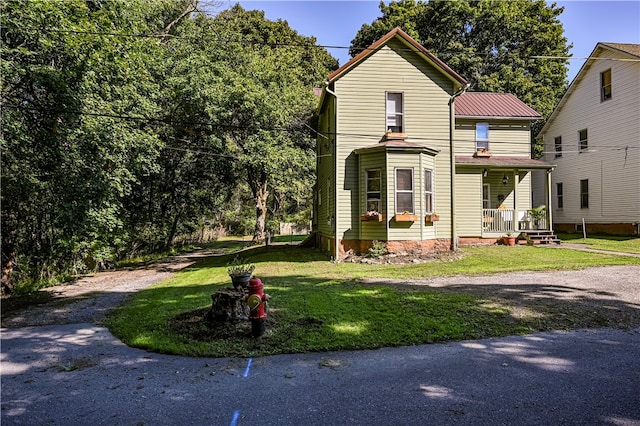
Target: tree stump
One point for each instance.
(228, 305)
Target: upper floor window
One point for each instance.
(373, 190)
(404, 191)
(559, 195)
(557, 146)
(584, 194)
(583, 142)
(395, 114)
(482, 136)
(428, 191)
(605, 85)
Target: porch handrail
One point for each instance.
(498, 220)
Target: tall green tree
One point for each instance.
(495, 45)
(264, 102)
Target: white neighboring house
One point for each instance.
(593, 137)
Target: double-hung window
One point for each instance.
(395, 114)
(559, 195)
(605, 85)
(486, 196)
(557, 146)
(404, 191)
(373, 190)
(482, 136)
(584, 194)
(428, 191)
(583, 141)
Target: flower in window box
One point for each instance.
(372, 215)
(432, 217)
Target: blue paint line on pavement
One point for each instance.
(246, 371)
(236, 416)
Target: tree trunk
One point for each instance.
(261, 213)
(8, 262)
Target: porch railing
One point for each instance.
(508, 220)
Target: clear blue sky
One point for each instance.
(335, 23)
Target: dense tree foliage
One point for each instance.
(495, 45)
(128, 124)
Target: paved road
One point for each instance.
(79, 374)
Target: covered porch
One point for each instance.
(506, 194)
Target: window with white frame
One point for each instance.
(404, 191)
(605, 85)
(584, 194)
(428, 191)
(395, 112)
(559, 195)
(583, 141)
(374, 183)
(486, 196)
(557, 146)
(482, 136)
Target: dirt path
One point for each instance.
(89, 299)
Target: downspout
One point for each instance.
(336, 250)
(452, 165)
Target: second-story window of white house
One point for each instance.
(557, 146)
(482, 136)
(428, 191)
(605, 85)
(373, 190)
(583, 141)
(404, 191)
(395, 112)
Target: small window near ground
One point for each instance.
(428, 191)
(583, 141)
(584, 194)
(395, 115)
(557, 146)
(404, 191)
(482, 136)
(605, 85)
(559, 195)
(373, 190)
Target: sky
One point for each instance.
(335, 23)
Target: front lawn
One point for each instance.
(604, 242)
(317, 305)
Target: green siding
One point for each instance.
(469, 203)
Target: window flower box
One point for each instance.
(405, 217)
(371, 216)
(433, 217)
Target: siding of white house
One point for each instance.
(612, 163)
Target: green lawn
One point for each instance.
(317, 305)
(604, 242)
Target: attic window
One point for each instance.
(605, 85)
(395, 115)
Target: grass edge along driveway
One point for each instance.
(319, 306)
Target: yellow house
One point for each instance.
(406, 157)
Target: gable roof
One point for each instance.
(626, 49)
(409, 42)
(493, 105)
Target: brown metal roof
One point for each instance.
(396, 32)
(485, 104)
(631, 49)
(503, 162)
(397, 145)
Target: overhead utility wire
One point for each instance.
(309, 45)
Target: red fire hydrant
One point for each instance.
(256, 300)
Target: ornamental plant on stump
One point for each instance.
(240, 272)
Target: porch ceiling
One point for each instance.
(505, 162)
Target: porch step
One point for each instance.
(539, 237)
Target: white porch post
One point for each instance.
(549, 209)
